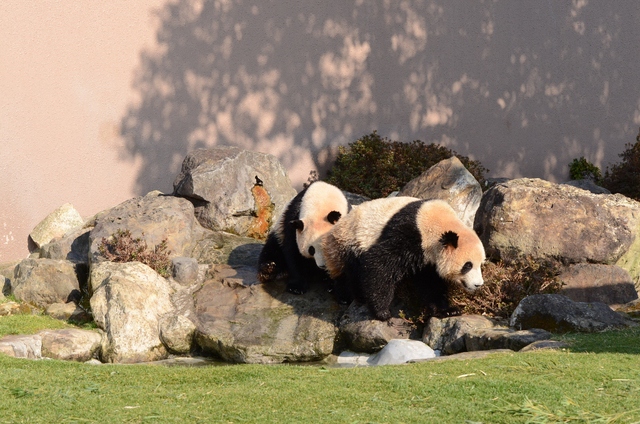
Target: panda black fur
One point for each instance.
(293, 246)
(386, 241)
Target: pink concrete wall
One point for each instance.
(66, 70)
(100, 101)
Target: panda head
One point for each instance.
(322, 206)
(309, 235)
(462, 255)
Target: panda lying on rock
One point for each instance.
(293, 246)
(386, 241)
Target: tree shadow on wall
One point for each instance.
(297, 79)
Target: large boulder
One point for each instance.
(448, 180)
(128, 301)
(559, 314)
(608, 284)
(42, 282)
(153, 218)
(242, 321)
(235, 190)
(56, 224)
(539, 219)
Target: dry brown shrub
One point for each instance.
(122, 247)
(506, 283)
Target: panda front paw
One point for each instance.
(383, 315)
(296, 288)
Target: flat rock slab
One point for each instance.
(242, 321)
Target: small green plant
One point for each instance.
(122, 247)
(581, 168)
(374, 166)
(507, 282)
(624, 177)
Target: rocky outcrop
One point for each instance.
(211, 303)
(234, 190)
(448, 180)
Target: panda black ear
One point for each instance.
(333, 217)
(449, 239)
(297, 224)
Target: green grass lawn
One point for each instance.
(597, 380)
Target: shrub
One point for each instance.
(624, 177)
(122, 247)
(374, 166)
(581, 168)
(506, 284)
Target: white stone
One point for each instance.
(400, 351)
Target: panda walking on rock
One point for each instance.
(386, 241)
(293, 246)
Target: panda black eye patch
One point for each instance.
(466, 268)
(312, 250)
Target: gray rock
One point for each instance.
(73, 246)
(503, 338)
(22, 346)
(608, 284)
(539, 219)
(447, 335)
(14, 308)
(177, 332)
(42, 282)
(589, 185)
(68, 312)
(70, 344)
(400, 351)
(224, 248)
(153, 218)
(56, 224)
(360, 332)
(223, 184)
(241, 321)
(559, 314)
(127, 303)
(185, 270)
(448, 180)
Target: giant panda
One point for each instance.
(386, 241)
(293, 246)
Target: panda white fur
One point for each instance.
(293, 246)
(385, 241)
